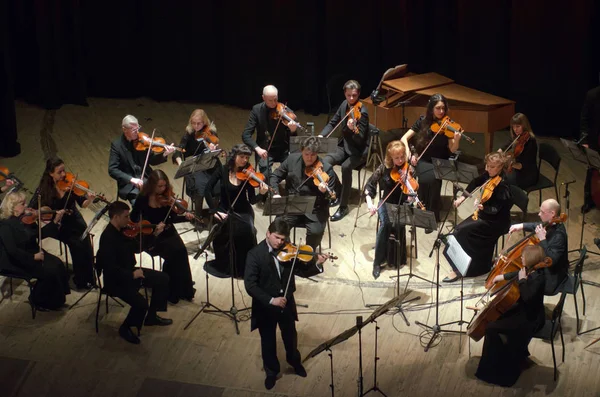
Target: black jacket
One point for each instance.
(116, 258)
(556, 247)
(260, 120)
(353, 144)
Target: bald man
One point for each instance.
(554, 241)
(262, 121)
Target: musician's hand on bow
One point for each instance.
(59, 216)
(138, 273)
(263, 188)
(279, 301)
(522, 273)
(372, 209)
(137, 182)
(7, 184)
(221, 215)
(262, 153)
(39, 256)
(322, 187)
(459, 201)
(540, 232)
(515, 228)
(159, 228)
(498, 278)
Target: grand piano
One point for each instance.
(406, 96)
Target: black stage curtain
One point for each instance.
(542, 54)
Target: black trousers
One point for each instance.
(159, 283)
(314, 228)
(274, 156)
(349, 163)
(268, 340)
(82, 253)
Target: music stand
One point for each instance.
(326, 145)
(456, 172)
(202, 162)
(290, 205)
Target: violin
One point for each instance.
(286, 115)
(488, 190)
(503, 301)
(409, 184)
(78, 187)
(510, 259)
(254, 178)
(158, 144)
(355, 114)
(4, 173)
(519, 145)
(449, 127)
(135, 228)
(30, 216)
(316, 171)
(206, 134)
(305, 253)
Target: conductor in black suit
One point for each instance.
(353, 145)
(116, 258)
(266, 279)
(292, 170)
(264, 121)
(125, 164)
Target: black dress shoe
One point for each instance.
(339, 214)
(450, 280)
(173, 300)
(300, 371)
(126, 333)
(597, 242)
(156, 320)
(335, 202)
(270, 382)
(376, 271)
(85, 286)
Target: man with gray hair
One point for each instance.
(272, 143)
(553, 239)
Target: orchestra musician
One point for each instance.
(269, 131)
(506, 339)
(524, 170)
(554, 240)
(72, 224)
(353, 145)
(237, 196)
(154, 205)
(478, 237)
(199, 136)
(395, 158)
(590, 136)
(125, 164)
(266, 281)
(293, 170)
(116, 258)
(20, 253)
(440, 146)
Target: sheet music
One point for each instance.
(456, 255)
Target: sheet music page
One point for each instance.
(456, 255)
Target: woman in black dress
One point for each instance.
(440, 146)
(73, 225)
(195, 141)
(20, 253)
(237, 232)
(395, 157)
(506, 339)
(479, 237)
(524, 171)
(154, 205)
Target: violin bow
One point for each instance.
(442, 126)
(343, 118)
(70, 191)
(274, 133)
(148, 154)
(291, 271)
(40, 223)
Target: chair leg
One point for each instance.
(11, 287)
(33, 308)
(152, 262)
(553, 354)
(562, 341)
(578, 328)
(98, 309)
(583, 296)
(106, 304)
(540, 204)
(329, 232)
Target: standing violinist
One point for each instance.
(271, 284)
(272, 143)
(154, 205)
(236, 196)
(590, 134)
(200, 136)
(523, 172)
(72, 224)
(506, 339)
(440, 146)
(395, 160)
(294, 171)
(554, 240)
(352, 147)
(126, 163)
(478, 237)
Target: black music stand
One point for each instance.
(201, 162)
(456, 172)
(326, 145)
(290, 205)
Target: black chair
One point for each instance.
(9, 271)
(521, 200)
(102, 291)
(551, 327)
(573, 283)
(549, 154)
(335, 92)
(321, 244)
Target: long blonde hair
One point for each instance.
(532, 255)
(10, 202)
(198, 113)
(392, 148)
(522, 120)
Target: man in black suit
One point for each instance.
(125, 164)
(266, 280)
(116, 258)
(590, 133)
(554, 241)
(352, 147)
(297, 182)
(264, 123)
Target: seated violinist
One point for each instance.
(127, 158)
(352, 147)
(272, 143)
(522, 169)
(506, 339)
(478, 236)
(553, 238)
(116, 259)
(303, 173)
(154, 205)
(200, 136)
(392, 191)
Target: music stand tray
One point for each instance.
(593, 157)
(454, 171)
(289, 205)
(327, 145)
(455, 255)
(202, 162)
(406, 215)
(575, 150)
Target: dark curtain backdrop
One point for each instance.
(542, 54)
